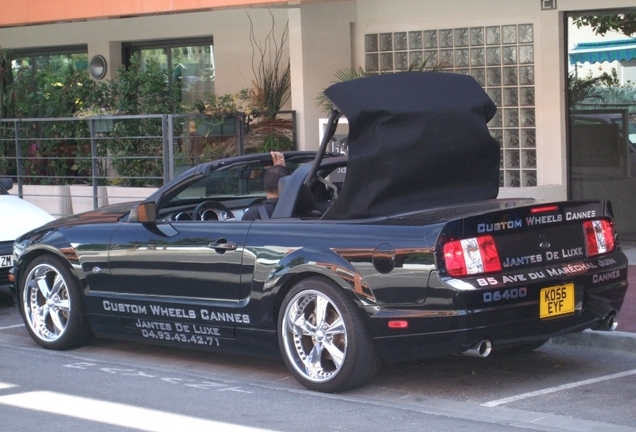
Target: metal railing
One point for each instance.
(133, 150)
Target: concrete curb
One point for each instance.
(611, 341)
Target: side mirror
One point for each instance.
(144, 213)
(7, 183)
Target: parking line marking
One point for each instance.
(558, 388)
(117, 414)
(6, 386)
(12, 326)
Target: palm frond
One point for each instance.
(350, 73)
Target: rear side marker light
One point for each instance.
(471, 256)
(398, 324)
(599, 237)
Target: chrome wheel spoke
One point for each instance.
(43, 287)
(313, 365)
(63, 305)
(58, 283)
(321, 311)
(302, 327)
(337, 356)
(57, 322)
(40, 313)
(299, 324)
(336, 328)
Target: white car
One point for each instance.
(20, 217)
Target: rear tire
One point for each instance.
(51, 304)
(323, 340)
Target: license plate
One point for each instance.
(6, 261)
(556, 300)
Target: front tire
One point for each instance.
(322, 338)
(51, 304)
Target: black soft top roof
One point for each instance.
(416, 140)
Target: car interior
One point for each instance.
(229, 191)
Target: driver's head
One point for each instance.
(271, 177)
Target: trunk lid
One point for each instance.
(531, 235)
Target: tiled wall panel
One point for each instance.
(500, 58)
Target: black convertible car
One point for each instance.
(411, 256)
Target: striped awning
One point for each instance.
(604, 51)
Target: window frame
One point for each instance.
(130, 48)
(46, 51)
(33, 52)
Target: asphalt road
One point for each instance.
(115, 386)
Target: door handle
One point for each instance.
(222, 246)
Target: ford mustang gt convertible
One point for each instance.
(398, 251)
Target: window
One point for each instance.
(30, 62)
(190, 61)
(33, 71)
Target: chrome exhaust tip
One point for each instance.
(609, 323)
(481, 348)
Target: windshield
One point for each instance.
(239, 180)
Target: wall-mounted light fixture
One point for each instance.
(548, 4)
(97, 66)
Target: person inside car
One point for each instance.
(264, 209)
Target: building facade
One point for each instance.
(516, 49)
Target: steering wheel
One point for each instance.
(212, 210)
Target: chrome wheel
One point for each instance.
(324, 341)
(314, 335)
(323, 338)
(46, 303)
(51, 304)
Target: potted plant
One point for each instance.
(97, 116)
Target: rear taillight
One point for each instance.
(599, 236)
(471, 256)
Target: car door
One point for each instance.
(187, 261)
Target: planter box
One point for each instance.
(82, 197)
(120, 194)
(102, 125)
(65, 200)
(54, 199)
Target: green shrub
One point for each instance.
(276, 143)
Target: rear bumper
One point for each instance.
(434, 332)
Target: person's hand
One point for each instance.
(278, 158)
